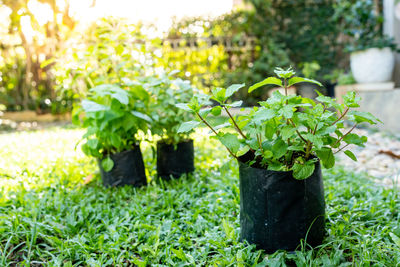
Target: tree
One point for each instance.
(38, 80)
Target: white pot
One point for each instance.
(374, 65)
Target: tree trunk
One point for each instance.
(28, 73)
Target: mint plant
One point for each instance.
(286, 132)
(166, 92)
(113, 117)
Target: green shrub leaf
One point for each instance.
(107, 164)
(230, 141)
(303, 171)
(269, 81)
(188, 126)
(279, 148)
(294, 80)
(326, 156)
(233, 89)
(141, 115)
(350, 155)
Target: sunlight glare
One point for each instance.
(42, 11)
(158, 12)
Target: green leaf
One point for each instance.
(395, 239)
(287, 132)
(112, 90)
(263, 115)
(267, 154)
(90, 106)
(93, 143)
(269, 80)
(243, 150)
(361, 116)
(204, 112)
(294, 80)
(233, 89)
(219, 94)
(303, 171)
(230, 141)
(221, 126)
(269, 130)
(287, 111)
(279, 148)
(235, 104)
(326, 156)
(107, 164)
(179, 254)
(115, 140)
(188, 126)
(351, 100)
(141, 115)
(353, 138)
(284, 73)
(216, 111)
(183, 106)
(350, 155)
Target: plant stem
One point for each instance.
(285, 86)
(234, 123)
(215, 132)
(341, 138)
(259, 140)
(308, 149)
(341, 148)
(341, 116)
(297, 131)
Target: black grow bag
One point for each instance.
(277, 211)
(175, 160)
(128, 169)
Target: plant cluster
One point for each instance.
(286, 132)
(118, 116)
(108, 52)
(166, 92)
(362, 22)
(113, 118)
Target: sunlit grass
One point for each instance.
(50, 217)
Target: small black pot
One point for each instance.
(128, 169)
(175, 160)
(277, 211)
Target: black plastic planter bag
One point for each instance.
(128, 169)
(175, 160)
(277, 211)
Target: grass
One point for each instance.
(50, 217)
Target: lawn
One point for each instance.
(53, 212)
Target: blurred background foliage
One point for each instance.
(55, 66)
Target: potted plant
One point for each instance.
(372, 55)
(280, 147)
(175, 151)
(113, 117)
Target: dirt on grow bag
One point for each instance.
(175, 160)
(128, 169)
(277, 211)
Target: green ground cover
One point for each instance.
(50, 217)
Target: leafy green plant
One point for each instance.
(113, 117)
(166, 92)
(108, 52)
(286, 132)
(340, 77)
(310, 69)
(363, 24)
